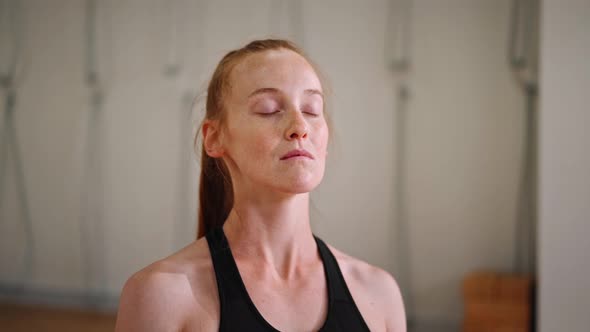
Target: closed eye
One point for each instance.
(269, 113)
(310, 110)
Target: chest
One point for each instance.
(283, 303)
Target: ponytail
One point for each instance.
(215, 194)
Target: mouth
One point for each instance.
(297, 153)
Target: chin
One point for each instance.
(301, 185)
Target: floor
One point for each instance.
(18, 318)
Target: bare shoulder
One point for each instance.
(375, 292)
(172, 294)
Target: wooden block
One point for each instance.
(492, 328)
(492, 285)
(515, 288)
(497, 302)
(479, 285)
(498, 312)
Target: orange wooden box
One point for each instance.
(496, 302)
(497, 286)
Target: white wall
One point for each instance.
(464, 145)
(564, 214)
(464, 138)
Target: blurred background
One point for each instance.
(459, 163)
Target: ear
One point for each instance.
(212, 138)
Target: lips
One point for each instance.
(297, 153)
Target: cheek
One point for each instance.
(261, 146)
(252, 145)
(322, 137)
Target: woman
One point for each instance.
(259, 267)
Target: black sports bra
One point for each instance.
(238, 312)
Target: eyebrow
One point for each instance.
(274, 91)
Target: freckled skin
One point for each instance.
(256, 142)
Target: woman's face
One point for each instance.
(275, 108)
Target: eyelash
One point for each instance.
(278, 111)
(269, 114)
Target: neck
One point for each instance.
(275, 231)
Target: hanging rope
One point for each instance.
(92, 237)
(10, 78)
(398, 46)
(520, 57)
(175, 70)
(172, 67)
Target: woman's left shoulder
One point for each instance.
(373, 289)
(363, 272)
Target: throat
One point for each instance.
(284, 254)
(287, 267)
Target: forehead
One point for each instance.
(281, 69)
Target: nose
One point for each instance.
(298, 127)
